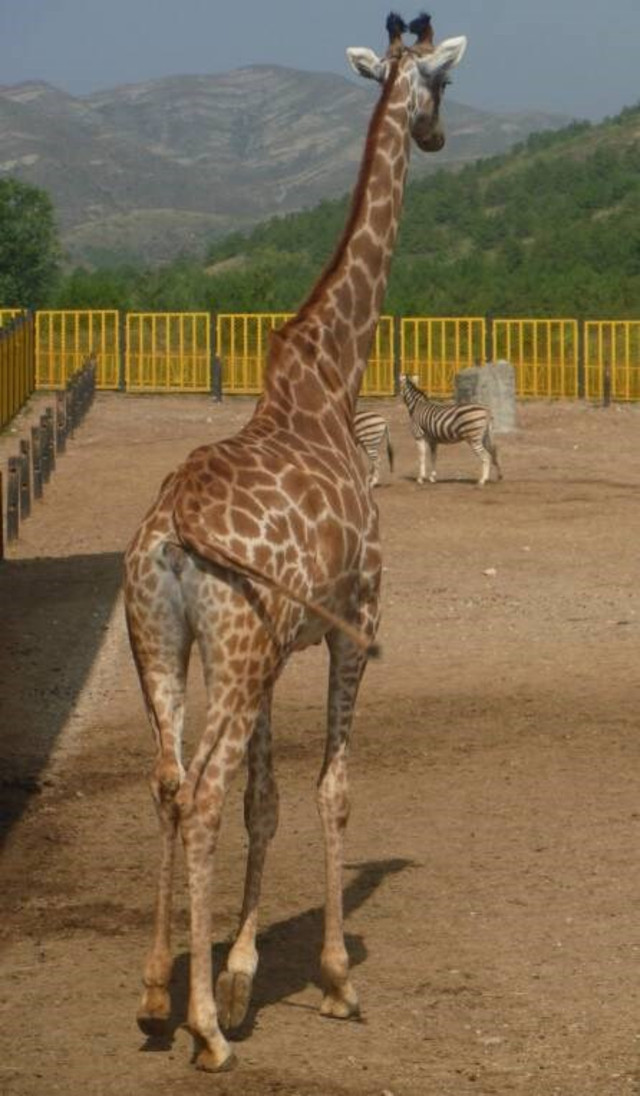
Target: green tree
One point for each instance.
(29, 249)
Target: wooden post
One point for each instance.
(50, 435)
(25, 481)
(37, 462)
(1, 519)
(61, 432)
(44, 450)
(13, 500)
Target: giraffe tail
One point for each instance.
(216, 554)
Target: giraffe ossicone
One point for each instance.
(261, 544)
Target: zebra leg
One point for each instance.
(433, 449)
(484, 456)
(421, 458)
(493, 449)
(374, 475)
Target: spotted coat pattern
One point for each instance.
(257, 546)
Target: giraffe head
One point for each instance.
(425, 69)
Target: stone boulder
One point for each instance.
(493, 385)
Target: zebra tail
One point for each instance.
(487, 438)
(389, 449)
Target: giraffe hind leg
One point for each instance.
(347, 665)
(164, 695)
(234, 984)
(200, 801)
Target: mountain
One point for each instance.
(147, 171)
(550, 228)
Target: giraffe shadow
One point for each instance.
(289, 953)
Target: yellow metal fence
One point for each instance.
(552, 358)
(242, 343)
(379, 376)
(7, 315)
(168, 352)
(433, 349)
(543, 353)
(65, 339)
(17, 366)
(612, 359)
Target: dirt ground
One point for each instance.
(492, 882)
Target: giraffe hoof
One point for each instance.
(340, 1006)
(154, 1011)
(209, 1062)
(233, 994)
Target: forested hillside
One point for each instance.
(146, 172)
(551, 228)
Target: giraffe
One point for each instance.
(261, 544)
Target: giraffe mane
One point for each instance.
(356, 201)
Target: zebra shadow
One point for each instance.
(452, 478)
(289, 954)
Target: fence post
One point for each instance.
(582, 338)
(397, 354)
(13, 500)
(488, 339)
(122, 364)
(51, 447)
(25, 481)
(70, 412)
(44, 450)
(216, 378)
(606, 385)
(37, 462)
(61, 433)
(1, 519)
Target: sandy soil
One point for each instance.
(492, 886)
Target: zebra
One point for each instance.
(370, 429)
(433, 424)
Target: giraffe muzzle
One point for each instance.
(428, 140)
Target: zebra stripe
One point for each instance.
(370, 431)
(433, 424)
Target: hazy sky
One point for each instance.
(578, 57)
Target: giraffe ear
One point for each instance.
(367, 63)
(444, 57)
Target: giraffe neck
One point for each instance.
(347, 299)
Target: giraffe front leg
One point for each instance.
(234, 985)
(340, 999)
